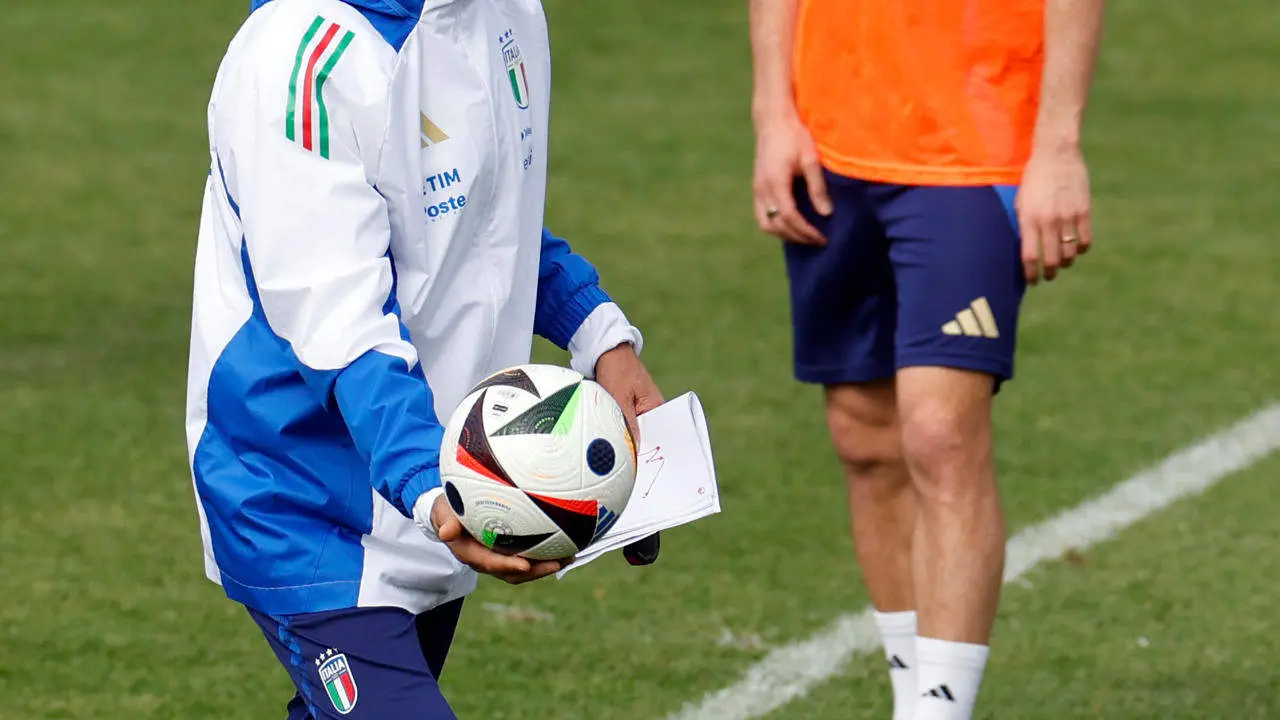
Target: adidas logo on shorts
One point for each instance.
(974, 321)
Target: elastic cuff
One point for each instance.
(574, 311)
(420, 481)
(422, 512)
(896, 623)
(603, 330)
(932, 651)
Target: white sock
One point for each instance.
(898, 632)
(948, 678)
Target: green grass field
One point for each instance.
(1168, 331)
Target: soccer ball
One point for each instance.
(538, 461)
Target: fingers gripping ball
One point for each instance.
(538, 461)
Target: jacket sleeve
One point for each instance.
(573, 311)
(317, 249)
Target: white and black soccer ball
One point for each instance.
(538, 461)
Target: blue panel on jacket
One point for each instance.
(394, 19)
(568, 290)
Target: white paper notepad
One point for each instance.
(675, 478)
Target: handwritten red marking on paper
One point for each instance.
(653, 457)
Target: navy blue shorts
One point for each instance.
(364, 663)
(910, 276)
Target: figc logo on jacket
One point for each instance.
(306, 118)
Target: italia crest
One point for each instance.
(516, 73)
(338, 681)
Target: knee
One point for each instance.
(947, 449)
(864, 432)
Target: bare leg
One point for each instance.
(863, 420)
(959, 539)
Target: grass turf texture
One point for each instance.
(1166, 332)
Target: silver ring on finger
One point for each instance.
(771, 212)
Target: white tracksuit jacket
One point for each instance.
(371, 246)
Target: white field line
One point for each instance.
(792, 671)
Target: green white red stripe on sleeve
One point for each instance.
(307, 118)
